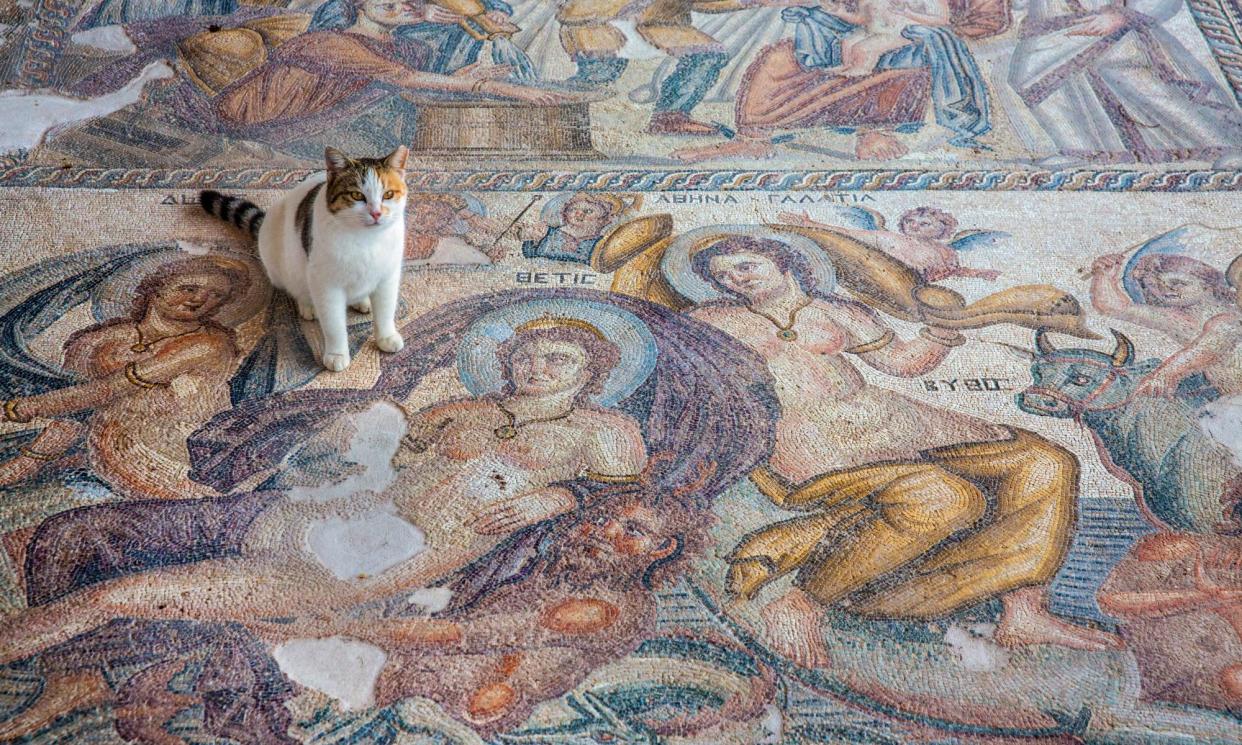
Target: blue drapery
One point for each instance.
(959, 96)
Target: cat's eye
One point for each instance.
(357, 196)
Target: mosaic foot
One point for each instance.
(1026, 620)
(1061, 161)
(794, 629)
(878, 146)
(736, 148)
(677, 123)
(1231, 161)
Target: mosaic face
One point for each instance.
(543, 366)
(193, 296)
(749, 275)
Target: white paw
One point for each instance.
(363, 307)
(391, 343)
(306, 311)
(336, 362)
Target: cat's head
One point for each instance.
(366, 192)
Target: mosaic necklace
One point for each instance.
(510, 430)
(143, 345)
(784, 331)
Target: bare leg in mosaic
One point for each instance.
(589, 601)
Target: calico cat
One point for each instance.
(334, 241)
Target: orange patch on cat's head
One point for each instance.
(346, 176)
(393, 181)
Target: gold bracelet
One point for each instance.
(957, 340)
(885, 339)
(131, 374)
(10, 413)
(603, 478)
(36, 455)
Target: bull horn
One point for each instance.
(1123, 353)
(1043, 344)
(1016, 349)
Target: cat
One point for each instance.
(334, 241)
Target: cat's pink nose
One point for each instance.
(375, 215)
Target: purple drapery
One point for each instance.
(708, 404)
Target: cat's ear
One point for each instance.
(396, 159)
(335, 159)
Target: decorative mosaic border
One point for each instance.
(651, 181)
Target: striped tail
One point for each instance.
(243, 213)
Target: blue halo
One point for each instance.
(479, 369)
(1168, 243)
(676, 262)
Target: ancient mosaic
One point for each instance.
(893, 350)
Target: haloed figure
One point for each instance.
(583, 221)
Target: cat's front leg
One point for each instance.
(384, 308)
(306, 310)
(330, 304)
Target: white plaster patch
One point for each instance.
(635, 47)
(491, 478)
(366, 544)
(431, 599)
(105, 38)
(377, 435)
(1222, 421)
(974, 647)
(345, 669)
(30, 115)
(773, 724)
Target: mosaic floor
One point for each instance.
(901, 341)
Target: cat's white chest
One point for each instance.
(356, 260)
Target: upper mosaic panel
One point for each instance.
(574, 86)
